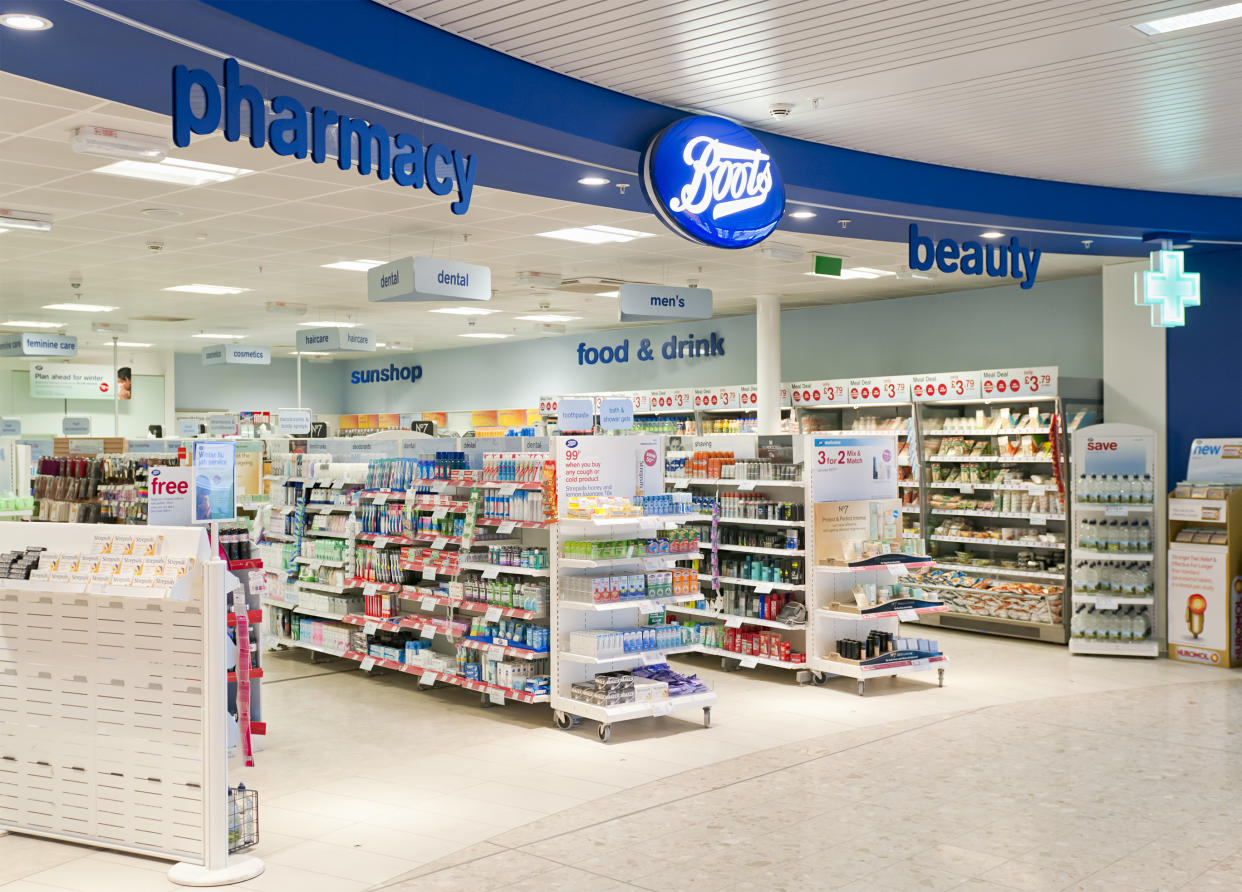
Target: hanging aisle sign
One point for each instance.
(656, 303)
(428, 279)
(336, 340)
(713, 182)
(69, 381)
(34, 344)
(236, 354)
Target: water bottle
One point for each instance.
(1148, 494)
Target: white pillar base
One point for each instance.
(239, 869)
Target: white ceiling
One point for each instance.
(1056, 89)
(272, 231)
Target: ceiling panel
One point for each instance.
(1056, 89)
(272, 231)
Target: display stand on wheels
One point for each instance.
(616, 550)
(114, 727)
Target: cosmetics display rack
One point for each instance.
(860, 607)
(609, 642)
(1116, 540)
(750, 497)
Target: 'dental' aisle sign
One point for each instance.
(215, 485)
(428, 278)
(848, 469)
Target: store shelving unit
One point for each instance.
(579, 615)
(839, 615)
(725, 541)
(1114, 609)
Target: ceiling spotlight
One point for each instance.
(594, 181)
(21, 21)
(991, 233)
(802, 214)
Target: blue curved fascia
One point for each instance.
(365, 49)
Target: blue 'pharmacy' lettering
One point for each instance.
(409, 373)
(294, 133)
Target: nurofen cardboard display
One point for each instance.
(1204, 581)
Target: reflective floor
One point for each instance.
(1029, 770)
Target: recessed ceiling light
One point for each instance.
(26, 220)
(22, 21)
(80, 308)
(1192, 19)
(608, 294)
(26, 323)
(548, 317)
(217, 335)
(130, 344)
(594, 181)
(207, 289)
(177, 171)
(356, 266)
(595, 235)
(161, 213)
(483, 334)
(857, 272)
(328, 324)
(802, 214)
(464, 311)
(991, 233)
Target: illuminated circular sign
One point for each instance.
(713, 182)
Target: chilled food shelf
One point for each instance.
(987, 570)
(1008, 515)
(1087, 554)
(970, 590)
(1111, 602)
(1008, 543)
(997, 625)
(987, 432)
(1033, 488)
(994, 459)
(736, 619)
(1119, 507)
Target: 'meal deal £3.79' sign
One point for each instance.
(713, 182)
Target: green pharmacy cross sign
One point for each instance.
(1167, 288)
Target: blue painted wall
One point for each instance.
(1057, 323)
(258, 388)
(1205, 360)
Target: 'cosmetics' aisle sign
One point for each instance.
(235, 354)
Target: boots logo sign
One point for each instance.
(713, 182)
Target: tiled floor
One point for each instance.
(1029, 770)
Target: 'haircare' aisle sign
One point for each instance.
(602, 467)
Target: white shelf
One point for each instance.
(643, 520)
(312, 508)
(277, 602)
(988, 572)
(1115, 648)
(1120, 600)
(883, 614)
(621, 712)
(850, 670)
(321, 614)
(747, 658)
(742, 620)
(753, 583)
(1011, 515)
(318, 562)
(1086, 554)
(306, 645)
(327, 534)
(1006, 543)
(324, 587)
(1113, 506)
(994, 459)
(744, 521)
(279, 537)
(747, 549)
(500, 568)
(640, 656)
(20, 512)
(722, 481)
(628, 605)
(987, 432)
(638, 561)
(997, 487)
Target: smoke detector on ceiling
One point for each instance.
(780, 109)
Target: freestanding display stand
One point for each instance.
(113, 717)
(1205, 576)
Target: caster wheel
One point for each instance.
(818, 678)
(562, 720)
(940, 672)
(605, 731)
(862, 687)
(707, 716)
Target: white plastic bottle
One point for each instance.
(1148, 494)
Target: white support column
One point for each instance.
(768, 361)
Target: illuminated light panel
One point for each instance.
(80, 308)
(608, 294)
(26, 323)
(357, 266)
(548, 317)
(802, 215)
(217, 335)
(489, 335)
(177, 171)
(328, 325)
(1192, 19)
(464, 311)
(596, 235)
(594, 181)
(1167, 288)
(991, 233)
(207, 289)
(857, 272)
(131, 344)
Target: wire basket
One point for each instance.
(243, 818)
